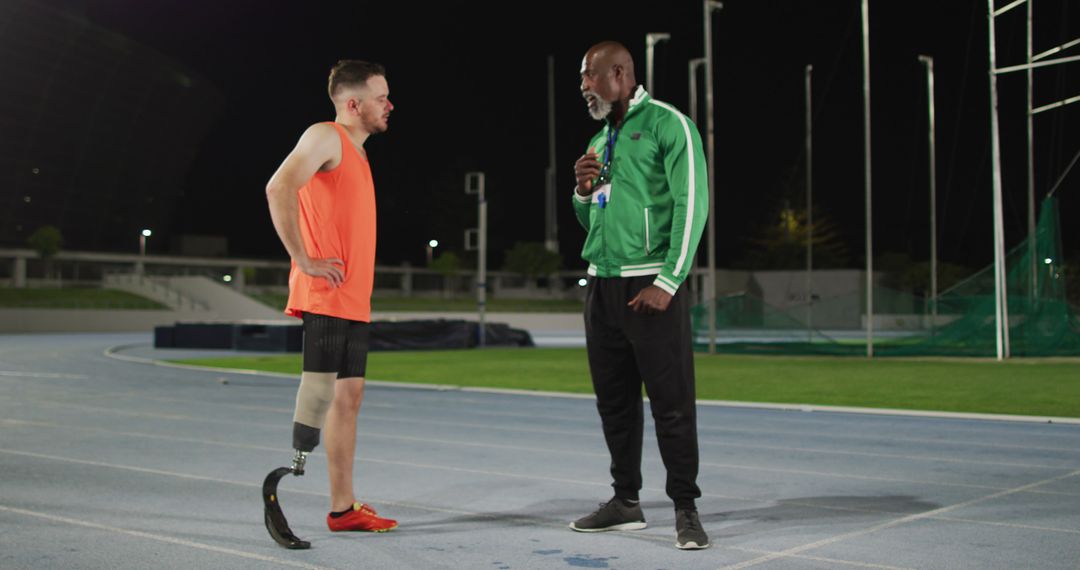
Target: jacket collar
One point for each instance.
(641, 96)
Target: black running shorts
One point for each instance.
(335, 345)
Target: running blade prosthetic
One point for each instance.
(272, 515)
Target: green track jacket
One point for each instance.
(659, 200)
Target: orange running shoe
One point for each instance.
(361, 518)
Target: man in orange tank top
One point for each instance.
(322, 203)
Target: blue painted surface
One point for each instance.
(110, 464)
(586, 561)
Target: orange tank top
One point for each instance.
(337, 219)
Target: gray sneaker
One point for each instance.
(612, 515)
(689, 534)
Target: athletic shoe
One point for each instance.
(360, 518)
(612, 515)
(689, 534)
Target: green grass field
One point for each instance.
(1024, 387)
(74, 298)
(452, 305)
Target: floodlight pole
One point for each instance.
(867, 171)
(710, 6)
(809, 206)
(474, 184)
(928, 62)
(695, 64)
(651, 39)
(1001, 302)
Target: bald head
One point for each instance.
(607, 78)
(613, 54)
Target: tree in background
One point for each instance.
(902, 273)
(46, 241)
(449, 265)
(532, 260)
(782, 243)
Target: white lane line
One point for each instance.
(820, 451)
(142, 435)
(702, 429)
(591, 420)
(786, 471)
(376, 417)
(1010, 525)
(363, 416)
(194, 477)
(894, 412)
(487, 427)
(368, 459)
(135, 469)
(161, 538)
(843, 424)
(492, 516)
(830, 475)
(426, 466)
(849, 562)
(886, 438)
(73, 429)
(514, 392)
(896, 522)
(23, 374)
(113, 352)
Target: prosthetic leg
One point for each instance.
(312, 402)
(272, 515)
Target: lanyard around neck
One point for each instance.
(609, 150)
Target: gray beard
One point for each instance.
(602, 110)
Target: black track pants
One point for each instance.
(626, 349)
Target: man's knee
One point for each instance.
(349, 393)
(675, 419)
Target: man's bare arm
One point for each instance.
(318, 146)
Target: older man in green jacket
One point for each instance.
(642, 195)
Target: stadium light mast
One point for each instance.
(709, 7)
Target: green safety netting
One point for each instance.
(1041, 322)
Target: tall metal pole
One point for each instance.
(1001, 307)
(651, 39)
(928, 62)
(866, 160)
(809, 206)
(1032, 262)
(693, 67)
(474, 184)
(551, 234)
(710, 280)
(481, 266)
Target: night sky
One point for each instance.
(469, 81)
